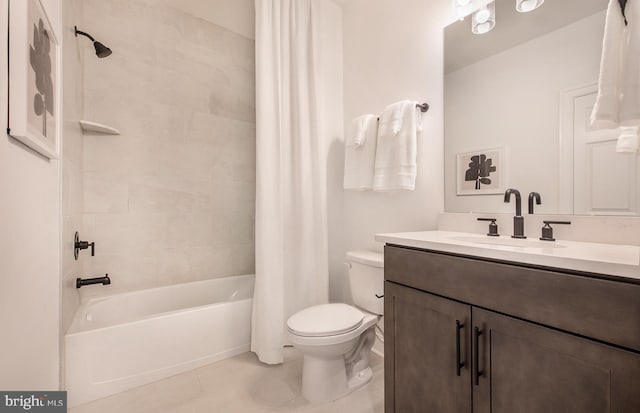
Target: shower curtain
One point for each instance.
(291, 199)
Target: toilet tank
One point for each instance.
(366, 279)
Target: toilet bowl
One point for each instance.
(336, 339)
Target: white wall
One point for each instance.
(513, 99)
(29, 251)
(332, 95)
(392, 51)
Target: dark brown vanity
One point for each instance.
(467, 334)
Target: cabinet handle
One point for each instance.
(476, 352)
(459, 364)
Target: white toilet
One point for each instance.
(336, 339)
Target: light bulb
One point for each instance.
(483, 15)
(483, 28)
(484, 20)
(524, 6)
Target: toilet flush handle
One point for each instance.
(379, 296)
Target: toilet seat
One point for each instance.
(296, 338)
(325, 320)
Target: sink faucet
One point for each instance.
(518, 219)
(532, 196)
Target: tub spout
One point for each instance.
(89, 281)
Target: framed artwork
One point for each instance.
(481, 172)
(34, 78)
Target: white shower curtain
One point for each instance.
(291, 207)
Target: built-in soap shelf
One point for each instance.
(88, 126)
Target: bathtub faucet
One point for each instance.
(88, 281)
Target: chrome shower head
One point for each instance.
(101, 49)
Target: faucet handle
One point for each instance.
(493, 227)
(547, 231)
(82, 245)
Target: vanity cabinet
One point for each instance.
(464, 334)
(423, 353)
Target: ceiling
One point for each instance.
(463, 48)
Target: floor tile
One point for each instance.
(240, 384)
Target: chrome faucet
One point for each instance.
(532, 196)
(518, 219)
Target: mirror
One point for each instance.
(517, 107)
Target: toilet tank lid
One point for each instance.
(374, 259)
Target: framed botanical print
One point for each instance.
(34, 78)
(481, 172)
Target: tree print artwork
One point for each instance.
(480, 169)
(40, 60)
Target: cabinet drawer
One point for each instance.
(601, 309)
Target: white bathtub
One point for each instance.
(126, 340)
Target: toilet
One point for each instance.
(336, 339)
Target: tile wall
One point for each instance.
(72, 158)
(171, 199)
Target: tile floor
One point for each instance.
(239, 385)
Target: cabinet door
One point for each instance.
(421, 352)
(527, 368)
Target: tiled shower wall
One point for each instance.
(171, 199)
(72, 158)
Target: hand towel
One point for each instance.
(618, 100)
(396, 152)
(628, 140)
(358, 130)
(392, 117)
(359, 160)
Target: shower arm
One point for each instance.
(84, 34)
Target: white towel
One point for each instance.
(396, 152)
(392, 117)
(359, 159)
(358, 130)
(618, 101)
(628, 140)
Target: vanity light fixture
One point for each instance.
(484, 20)
(524, 6)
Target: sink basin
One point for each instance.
(510, 242)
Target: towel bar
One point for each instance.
(424, 108)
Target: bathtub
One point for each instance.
(125, 340)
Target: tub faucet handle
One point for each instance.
(82, 245)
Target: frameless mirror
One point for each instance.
(517, 107)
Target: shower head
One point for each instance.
(101, 49)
